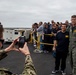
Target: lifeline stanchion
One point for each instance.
(46, 43)
(31, 38)
(38, 46)
(38, 42)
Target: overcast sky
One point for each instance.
(23, 13)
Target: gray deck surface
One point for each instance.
(44, 63)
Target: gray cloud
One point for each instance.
(22, 13)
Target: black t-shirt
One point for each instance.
(62, 41)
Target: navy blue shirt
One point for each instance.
(62, 41)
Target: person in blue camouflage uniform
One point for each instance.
(29, 68)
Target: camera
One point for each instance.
(22, 40)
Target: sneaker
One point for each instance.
(35, 45)
(38, 51)
(46, 51)
(63, 73)
(56, 71)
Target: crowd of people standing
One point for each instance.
(63, 39)
(46, 28)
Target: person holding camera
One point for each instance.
(29, 68)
